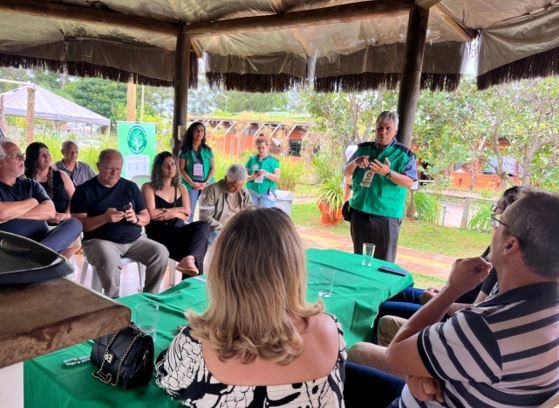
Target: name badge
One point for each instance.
(367, 179)
(198, 170)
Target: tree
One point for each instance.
(471, 126)
(107, 98)
(345, 118)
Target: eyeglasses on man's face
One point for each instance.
(496, 220)
(495, 209)
(15, 156)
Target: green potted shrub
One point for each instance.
(330, 190)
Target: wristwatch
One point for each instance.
(388, 175)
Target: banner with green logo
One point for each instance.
(136, 142)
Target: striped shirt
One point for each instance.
(503, 352)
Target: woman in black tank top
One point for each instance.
(169, 208)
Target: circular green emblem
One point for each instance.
(137, 139)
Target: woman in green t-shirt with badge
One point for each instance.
(196, 163)
(264, 173)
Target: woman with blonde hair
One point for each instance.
(259, 343)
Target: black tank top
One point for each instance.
(57, 192)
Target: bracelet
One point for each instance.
(388, 175)
(137, 220)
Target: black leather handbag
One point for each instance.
(123, 359)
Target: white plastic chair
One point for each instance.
(96, 283)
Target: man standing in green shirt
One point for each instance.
(381, 172)
(263, 174)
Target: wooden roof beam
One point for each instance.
(327, 15)
(442, 12)
(87, 15)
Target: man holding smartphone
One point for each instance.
(381, 171)
(112, 211)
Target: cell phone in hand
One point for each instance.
(126, 207)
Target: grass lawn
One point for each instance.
(421, 236)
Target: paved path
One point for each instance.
(414, 261)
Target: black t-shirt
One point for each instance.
(23, 189)
(58, 194)
(94, 199)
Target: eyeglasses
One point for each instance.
(496, 220)
(16, 156)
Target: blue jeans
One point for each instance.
(193, 195)
(263, 200)
(63, 235)
(367, 386)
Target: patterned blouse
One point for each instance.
(182, 371)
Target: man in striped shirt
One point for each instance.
(504, 351)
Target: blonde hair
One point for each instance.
(256, 284)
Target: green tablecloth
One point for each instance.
(358, 291)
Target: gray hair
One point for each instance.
(105, 154)
(4, 142)
(236, 173)
(389, 115)
(68, 143)
(534, 220)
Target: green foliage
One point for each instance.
(236, 101)
(291, 171)
(330, 186)
(88, 154)
(107, 98)
(346, 118)
(481, 218)
(428, 207)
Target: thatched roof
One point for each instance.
(263, 45)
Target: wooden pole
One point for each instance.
(411, 74)
(131, 100)
(3, 127)
(30, 115)
(181, 81)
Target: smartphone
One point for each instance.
(126, 207)
(394, 271)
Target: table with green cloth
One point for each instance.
(358, 292)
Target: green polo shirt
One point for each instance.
(269, 164)
(382, 197)
(204, 156)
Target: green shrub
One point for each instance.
(428, 207)
(481, 218)
(291, 171)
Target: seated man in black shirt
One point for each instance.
(112, 211)
(25, 205)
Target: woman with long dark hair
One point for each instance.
(59, 187)
(168, 205)
(196, 163)
(57, 184)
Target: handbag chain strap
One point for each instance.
(108, 357)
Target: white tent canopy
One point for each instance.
(50, 106)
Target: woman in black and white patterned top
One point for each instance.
(260, 343)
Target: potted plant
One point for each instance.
(330, 191)
(330, 201)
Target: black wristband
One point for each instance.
(388, 175)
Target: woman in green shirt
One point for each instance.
(196, 163)
(264, 173)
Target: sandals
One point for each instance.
(190, 270)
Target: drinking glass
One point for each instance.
(368, 254)
(147, 316)
(326, 281)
